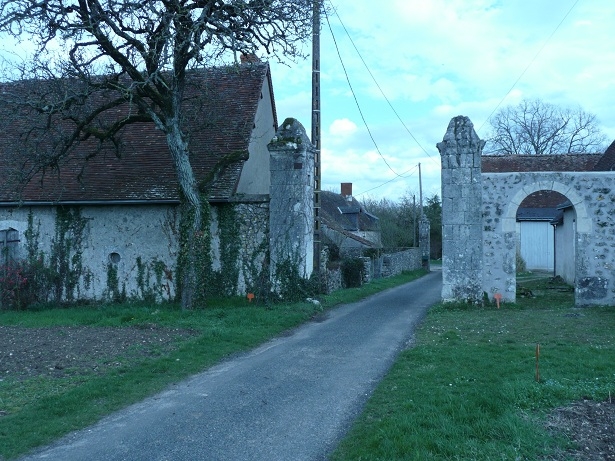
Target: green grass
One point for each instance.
(467, 390)
(39, 410)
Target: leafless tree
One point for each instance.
(535, 127)
(139, 53)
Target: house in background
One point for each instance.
(113, 221)
(346, 224)
(544, 242)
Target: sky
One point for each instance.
(414, 65)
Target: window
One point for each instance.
(9, 239)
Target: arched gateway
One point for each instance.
(479, 223)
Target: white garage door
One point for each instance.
(537, 245)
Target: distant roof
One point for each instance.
(543, 199)
(536, 214)
(527, 163)
(607, 162)
(341, 213)
(223, 104)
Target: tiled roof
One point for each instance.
(341, 214)
(607, 162)
(526, 163)
(220, 109)
(543, 199)
(536, 214)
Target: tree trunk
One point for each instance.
(191, 202)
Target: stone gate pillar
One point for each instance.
(424, 241)
(291, 205)
(462, 252)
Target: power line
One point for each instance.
(389, 181)
(377, 84)
(355, 98)
(530, 64)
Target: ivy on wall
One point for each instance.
(65, 259)
(230, 243)
(201, 251)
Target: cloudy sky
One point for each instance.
(434, 60)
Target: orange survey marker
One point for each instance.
(537, 369)
(498, 297)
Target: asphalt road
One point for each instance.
(293, 398)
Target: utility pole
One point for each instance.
(316, 128)
(420, 191)
(414, 220)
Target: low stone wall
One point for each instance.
(385, 265)
(396, 263)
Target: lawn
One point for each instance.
(468, 389)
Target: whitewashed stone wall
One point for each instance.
(117, 235)
(593, 196)
(114, 235)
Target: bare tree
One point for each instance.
(535, 127)
(138, 54)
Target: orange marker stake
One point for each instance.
(498, 297)
(537, 369)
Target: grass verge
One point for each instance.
(38, 410)
(467, 390)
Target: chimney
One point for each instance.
(249, 58)
(347, 191)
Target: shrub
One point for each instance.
(521, 265)
(352, 272)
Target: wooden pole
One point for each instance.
(316, 128)
(537, 368)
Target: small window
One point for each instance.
(9, 241)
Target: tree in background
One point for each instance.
(139, 53)
(433, 211)
(535, 127)
(398, 219)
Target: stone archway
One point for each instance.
(519, 186)
(479, 223)
(544, 182)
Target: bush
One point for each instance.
(12, 286)
(352, 272)
(292, 286)
(521, 265)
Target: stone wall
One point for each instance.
(480, 232)
(113, 239)
(385, 265)
(137, 245)
(593, 196)
(396, 263)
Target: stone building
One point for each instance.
(108, 220)
(347, 224)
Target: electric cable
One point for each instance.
(355, 98)
(377, 84)
(530, 64)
